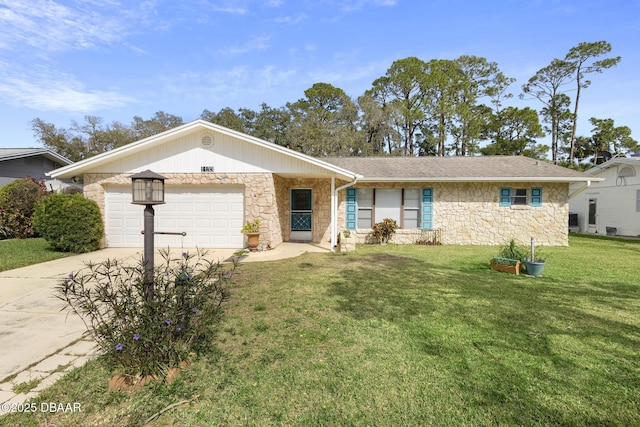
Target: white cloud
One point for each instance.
(41, 89)
(48, 26)
(290, 19)
(255, 43)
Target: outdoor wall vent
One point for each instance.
(624, 173)
(627, 172)
(207, 141)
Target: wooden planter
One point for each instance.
(506, 268)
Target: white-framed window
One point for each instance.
(400, 204)
(365, 208)
(411, 206)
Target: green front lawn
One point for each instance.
(403, 336)
(15, 253)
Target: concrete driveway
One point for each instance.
(32, 324)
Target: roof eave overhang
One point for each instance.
(39, 152)
(481, 179)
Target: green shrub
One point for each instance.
(69, 222)
(383, 231)
(18, 200)
(512, 250)
(147, 336)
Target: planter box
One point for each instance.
(346, 244)
(506, 268)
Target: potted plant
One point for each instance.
(509, 258)
(382, 231)
(533, 263)
(252, 230)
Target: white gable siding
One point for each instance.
(226, 155)
(616, 202)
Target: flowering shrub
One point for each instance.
(148, 337)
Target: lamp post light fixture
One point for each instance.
(148, 189)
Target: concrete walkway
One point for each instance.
(39, 342)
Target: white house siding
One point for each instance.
(227, 154)
(616, 202)
(470, 214)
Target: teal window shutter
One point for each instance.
(427, 208)
(505, 196)
(352, 208)
(536, 196)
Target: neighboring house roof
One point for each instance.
(613, 162)
(159, 139)
(458, 168)
(18, 153)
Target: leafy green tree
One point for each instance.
(84, 140)
(547, 87)
(475, 79)
(376, 124)
(160, 122)
(403, 89)
(228, 118)
(582, 57)
(59, 140)
(607, 136)
(513, 131)
(272, 124)
(440, 94)
(324, 123)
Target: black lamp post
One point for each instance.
(148, 189)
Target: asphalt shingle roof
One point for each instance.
(459, 168)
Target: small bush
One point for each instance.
(69, 222)
(18, 200)
(148, 336)
(384, 230)
(512, 250)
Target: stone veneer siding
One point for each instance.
(259, 195)
(470, 214)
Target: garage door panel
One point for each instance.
(211, 217)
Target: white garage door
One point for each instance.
(211, 217)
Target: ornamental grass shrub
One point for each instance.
(512, 250)
(141, 336)
(69, 222)
(18, 200)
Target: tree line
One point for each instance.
(418, 108)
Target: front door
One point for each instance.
(592, 221)
(301, 215)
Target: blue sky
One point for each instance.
(63, 59)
